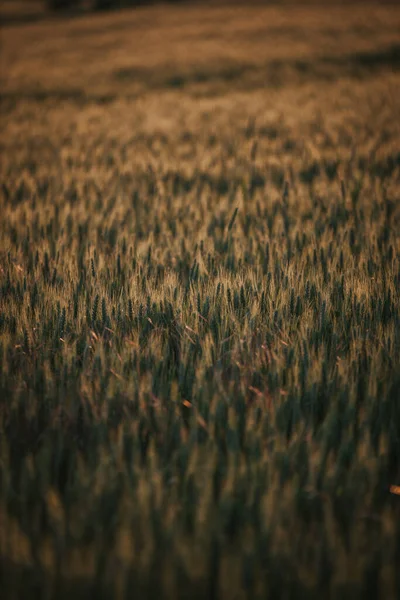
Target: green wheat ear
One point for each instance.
(95, 310)
(92, 267)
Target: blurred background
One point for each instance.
(28, 10)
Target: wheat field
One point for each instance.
(199, 304)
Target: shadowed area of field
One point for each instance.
(275, 73)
